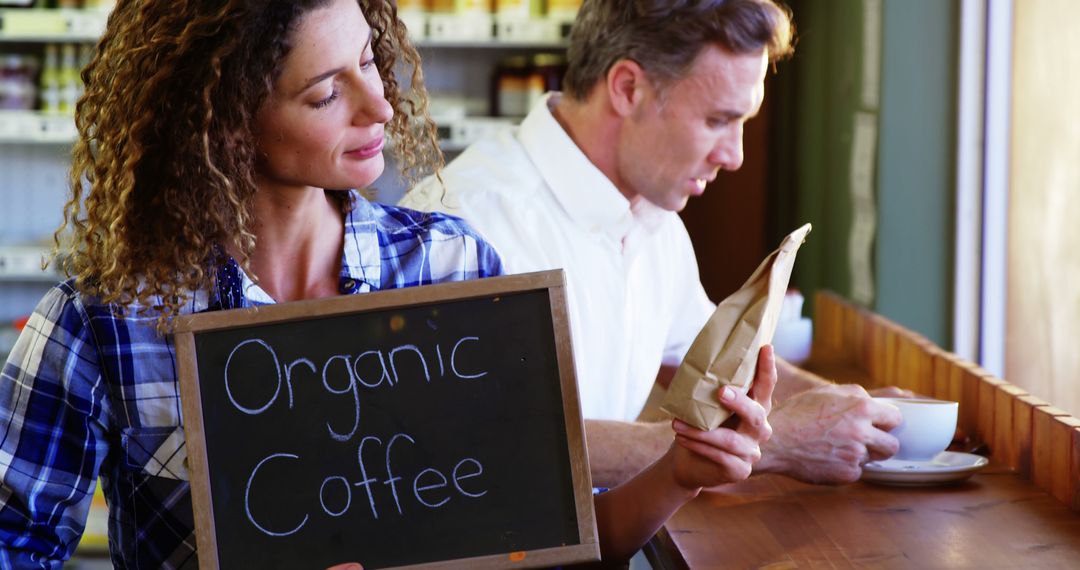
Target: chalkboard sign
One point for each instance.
(434, 425)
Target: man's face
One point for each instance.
(671, 145)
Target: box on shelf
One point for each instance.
(534, 30)
(9, 333)
(416, 22)
(68, 24)
(34, 127)
(459, 27)
(18, 91)
(87, 23)
(466, 131)
(23, 262)
(445, 108)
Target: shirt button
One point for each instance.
(348, 286)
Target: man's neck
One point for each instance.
(594, 127)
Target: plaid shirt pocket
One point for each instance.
(156, 451)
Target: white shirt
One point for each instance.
(634, 294)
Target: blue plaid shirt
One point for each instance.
(86, 393)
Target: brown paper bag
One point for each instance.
(725, 352)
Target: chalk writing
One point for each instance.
(341, 375)
(351, 367)
(430, 486)
(247, 497)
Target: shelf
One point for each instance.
(455, 135)
(486, 32)
(47, 26)
(61, 25)
(22, 263)
(28, 127)
(31, 127)
(70, 25)
(491, 43)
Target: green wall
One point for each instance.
(916, 173)
(906, 170)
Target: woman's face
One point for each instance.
(322, 125)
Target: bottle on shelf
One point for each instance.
(563, 9)
(461, 20)
(440, 6)
(472, 7)
(519, 8)
(520, 81)
(105, 5)
(17, 89)
(70, 84)
(534, 89)
(86, 53)
(50, 80)
(511, 97)
(551, 67)
(413, 6)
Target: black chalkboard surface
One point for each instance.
(434, 425)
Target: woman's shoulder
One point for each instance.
(61, 321)
(68, 306)
(398, 219)
(66, 301)
(443, 243)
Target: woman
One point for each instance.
(216, 139)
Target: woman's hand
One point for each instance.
(726, 455)
(347, 566)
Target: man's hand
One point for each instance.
(347, 566)
(724, 455)
(826, 434)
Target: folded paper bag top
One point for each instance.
(725, 351)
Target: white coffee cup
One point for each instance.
(927, 428)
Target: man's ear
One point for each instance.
(626, 86)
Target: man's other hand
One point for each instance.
(826, 435)
(892, 392)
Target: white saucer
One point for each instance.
(946, 467)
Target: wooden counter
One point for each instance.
(994, 520)
(1019, 512)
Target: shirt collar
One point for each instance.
(361, 264)
(361, 261)
(586, 193)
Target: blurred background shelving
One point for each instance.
(485, 63)
(42, 47)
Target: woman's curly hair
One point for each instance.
(163, 169)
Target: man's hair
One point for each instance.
(163, 169)
(665, 36)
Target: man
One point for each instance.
(657, 94)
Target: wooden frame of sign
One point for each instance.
(435, 426)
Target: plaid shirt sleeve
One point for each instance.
(51, 434)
